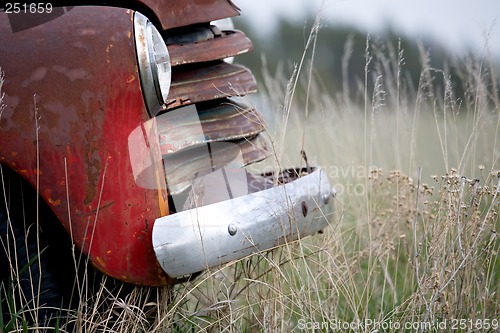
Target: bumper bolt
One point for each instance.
(232, 229)
(304, 208)
(326, 198)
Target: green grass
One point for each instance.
(413, 239)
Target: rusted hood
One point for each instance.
(180, 13)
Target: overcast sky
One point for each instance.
(459, 23)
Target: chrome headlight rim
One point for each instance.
(154, 64)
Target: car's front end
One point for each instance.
(130, 124)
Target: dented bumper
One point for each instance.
(200, 238)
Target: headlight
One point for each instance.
(154, 63)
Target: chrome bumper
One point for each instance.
(194, 240)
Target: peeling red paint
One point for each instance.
(101, 262)
(47, 193)
(173, 14)
(54, 202)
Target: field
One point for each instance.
(412, 244)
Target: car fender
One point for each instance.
(72, 98)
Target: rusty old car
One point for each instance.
(124, 124)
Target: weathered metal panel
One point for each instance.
(180, 13)
(184, 166)
(229, 44)
(168, 14)
(73, 96)
(224, 121)
(209, 82)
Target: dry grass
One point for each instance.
(416, 169)
(413, 239)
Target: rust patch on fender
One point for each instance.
(101, 262)
(92, 159)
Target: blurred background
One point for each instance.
(449, 30)
(428, 98)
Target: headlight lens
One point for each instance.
(154, 63)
